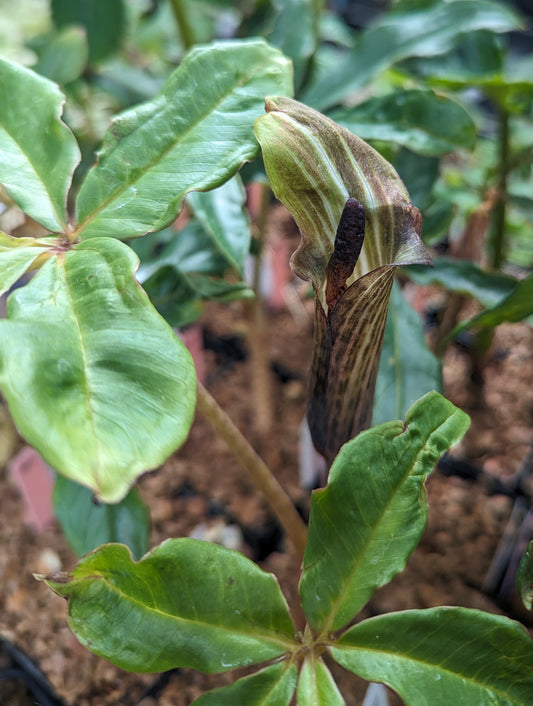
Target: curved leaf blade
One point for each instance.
(443, 656)
(465, 277)
(298, 44)
(87, 524)
(429, 31)
(364, 525)
(316, 686)
(407, 367)
(103, 20)
(38, 154)
(222, 215)
(187, 603)
(185, 272)
(18, 255)
(183, 140)
(272, 686)
(419, 119)
(516, 306)
(93, 376)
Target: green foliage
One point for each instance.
(272, 686)
(128, 192)
(88, 524)
(465, 277)
(428, 31)
(36, 172)
(96, 379)
(103, 20)
(407, 368)
(524, 578)
(516, 306)
(368, 520)
(187, 603)
(440, 656)
(420, 119)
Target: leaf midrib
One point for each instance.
(61, 261)
(428, 665)
(326, 628)
(286, 643)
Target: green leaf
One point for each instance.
(419, 119)
(516, 306)
(464, 277)
(222, 215)
(343, 196)
(407, 368)
(38, 153)
(186, 272)
(187, 603)
(296, 32)
(18, 255)
(64, 58)
(364, 525)
(524, 577)
(193, 136)
(103, 20)
(443, 656)
(87, 524)
(93, 376)
(419, 173)
(316, 686)
(272, 686)
(427, 31)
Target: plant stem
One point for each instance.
(498, 231)
(264, 479)
(258, 330)
(182, 20)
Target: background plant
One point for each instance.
(48, 252)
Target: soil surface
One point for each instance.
(202, 484)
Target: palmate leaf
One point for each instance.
(94, 377)
(193, 136)
(38, 153)
(364, 525)
(443, 656)
(187, 603)
(357, 224)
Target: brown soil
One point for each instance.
(202, 479)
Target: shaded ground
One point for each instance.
(203, 483)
